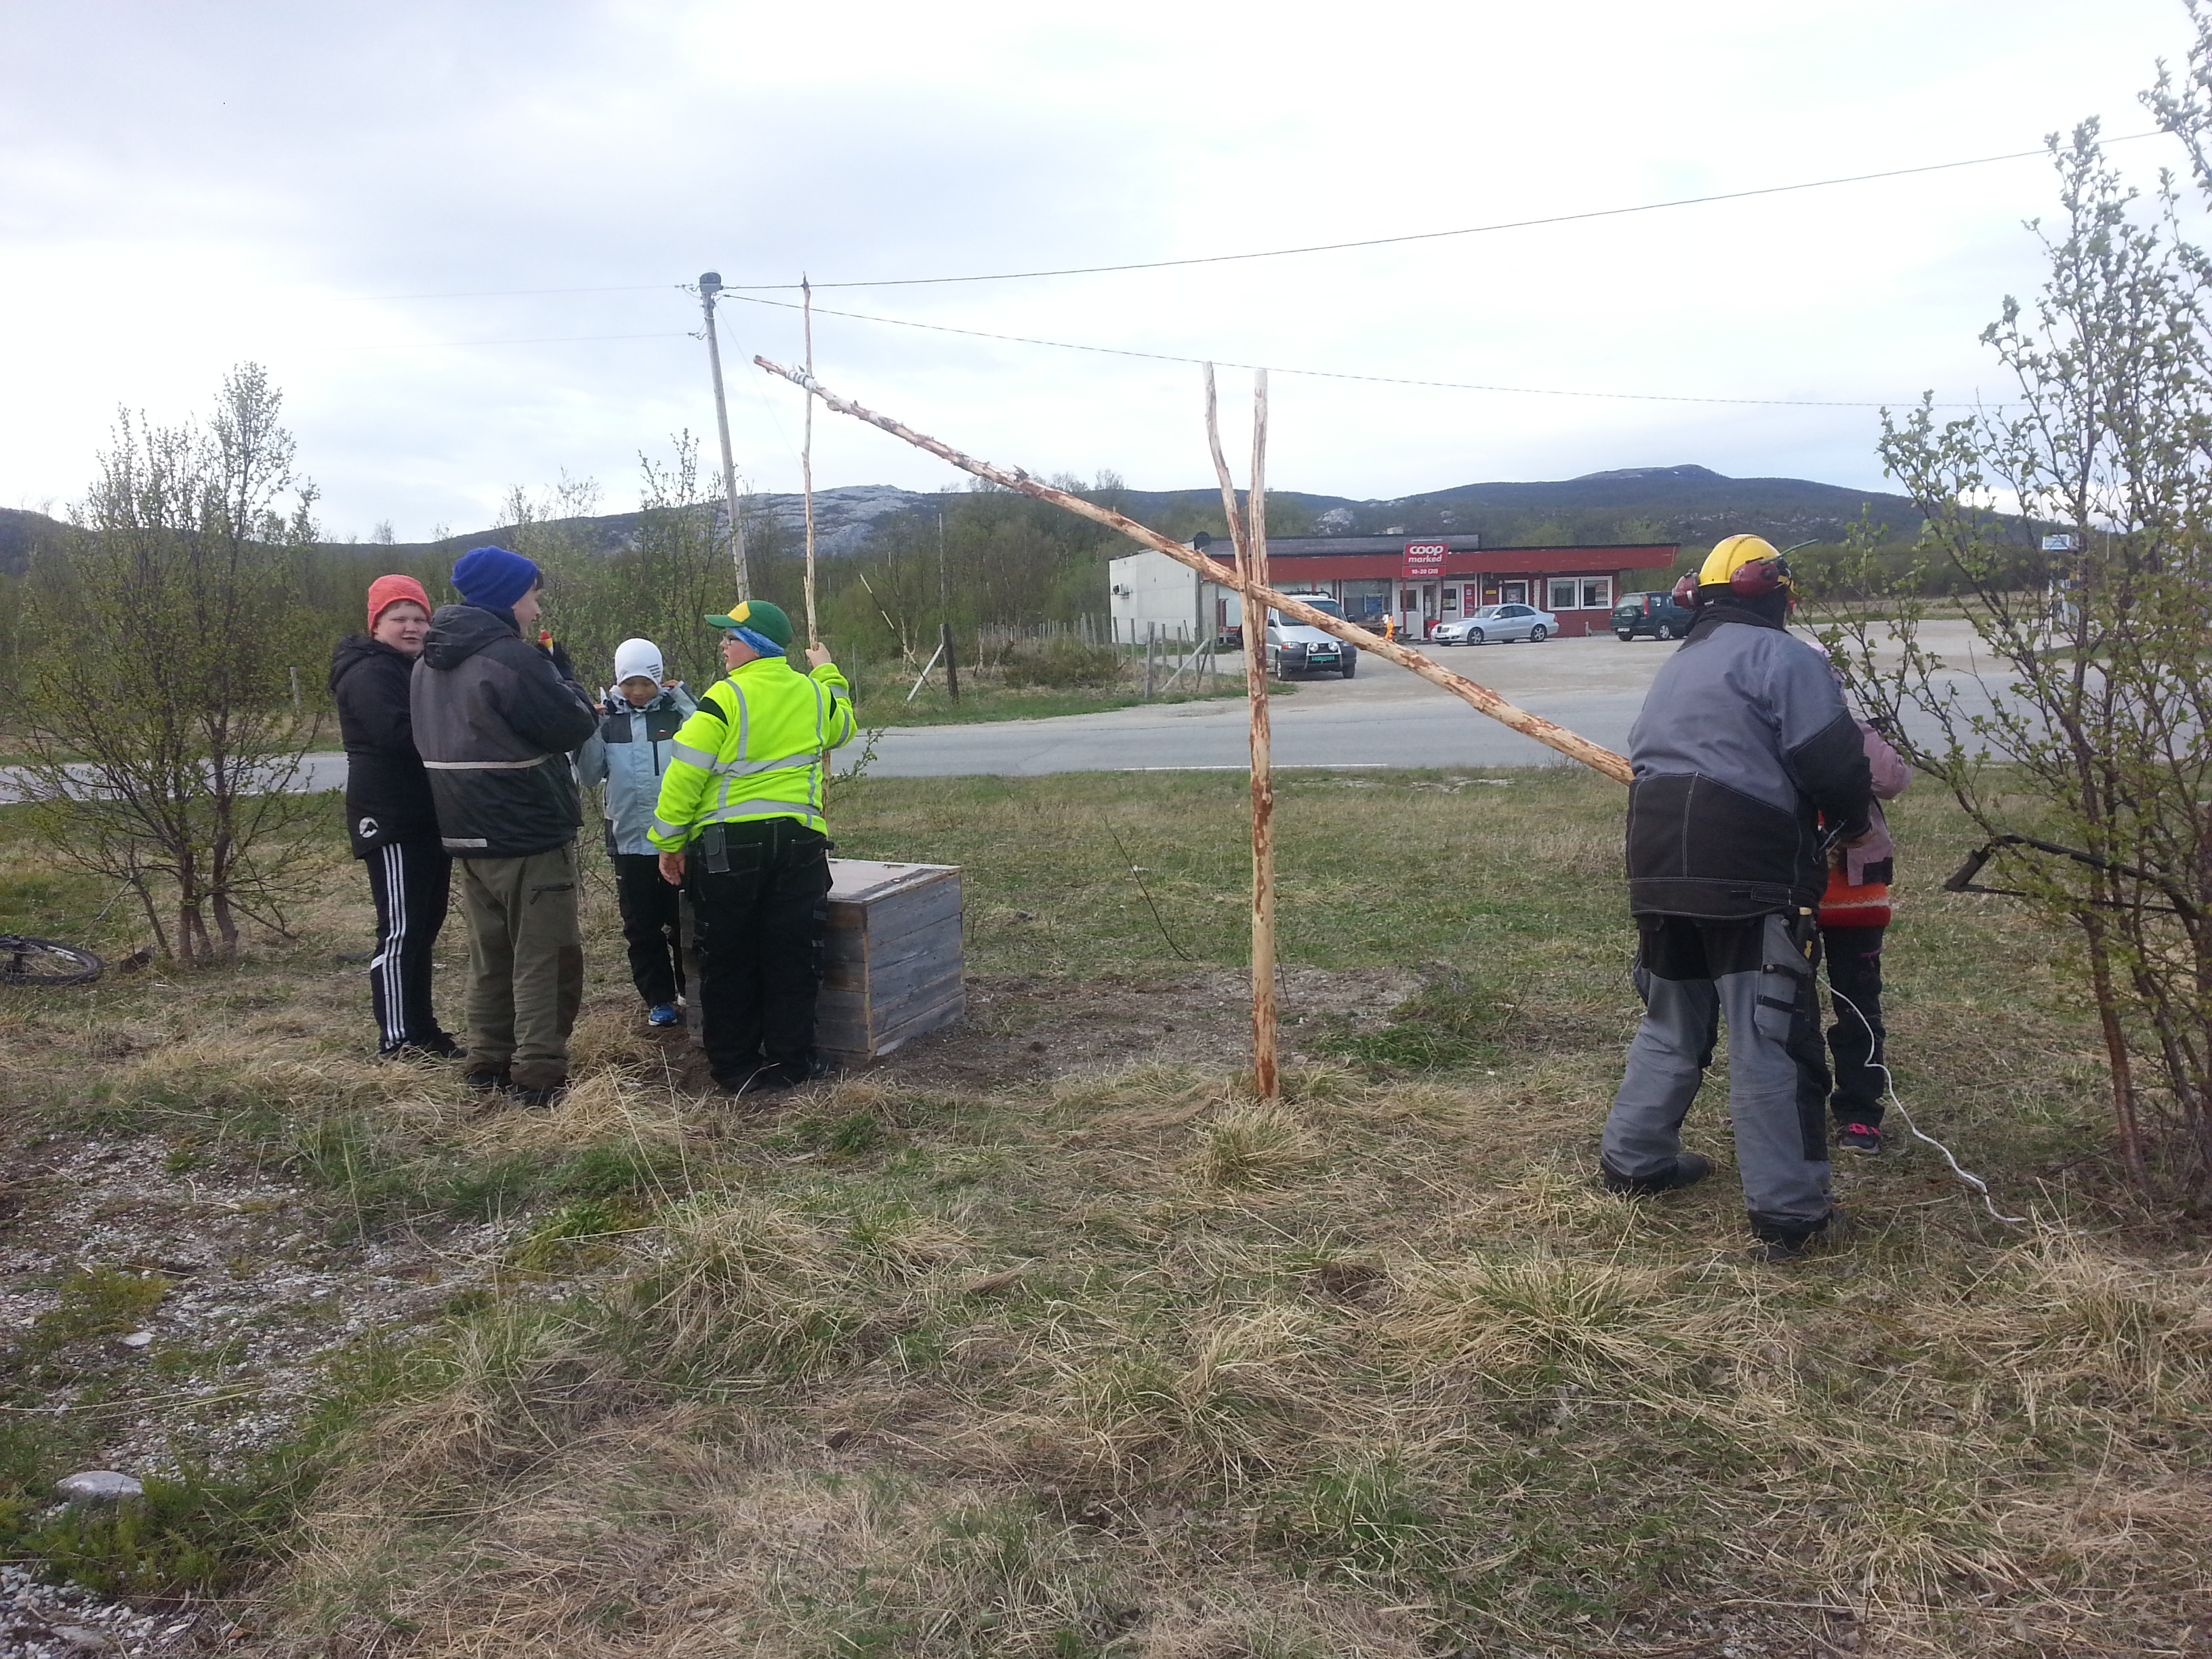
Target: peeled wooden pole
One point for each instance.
(1248, 531)
(1481, 698)
(806, 461)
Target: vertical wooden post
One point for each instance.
(1151, 630)
(806, 462)
(1263, 777)
(952, 667)
(1249, 529)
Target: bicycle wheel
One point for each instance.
(43, 961)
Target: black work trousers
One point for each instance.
(761, 919)
(652, 927)
(412, 881)
(1855, 1038)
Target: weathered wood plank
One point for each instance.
(891, 963)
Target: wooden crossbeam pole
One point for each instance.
(1481, 698)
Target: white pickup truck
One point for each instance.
(1300, 649)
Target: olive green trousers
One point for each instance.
(526, 963)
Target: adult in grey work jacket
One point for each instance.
(1742, 750)
(496, 715)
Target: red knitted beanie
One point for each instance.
(387, 591)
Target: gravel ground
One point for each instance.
(254, 1293)
(60, 1621)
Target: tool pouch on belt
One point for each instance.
(715, 847)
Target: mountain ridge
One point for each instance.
(1683, 502)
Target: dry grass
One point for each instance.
(1123, 1363)
(1500, 1402)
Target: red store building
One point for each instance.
(1432, 578)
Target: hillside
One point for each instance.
(1688, 504)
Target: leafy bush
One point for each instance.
(1062, 664)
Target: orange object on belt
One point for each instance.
(1842, 905)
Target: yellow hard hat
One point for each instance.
(1731, 555)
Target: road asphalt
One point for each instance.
(1382, 716)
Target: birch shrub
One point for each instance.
(167, 673)
(2078, 738)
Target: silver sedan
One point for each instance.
(1498, 623)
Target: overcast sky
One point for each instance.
(361, 196)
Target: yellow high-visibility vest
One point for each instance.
(755, 749)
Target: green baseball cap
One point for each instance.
(756, 617)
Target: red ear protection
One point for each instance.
(1759, 577)
(1686, 592)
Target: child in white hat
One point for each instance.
(627, 754)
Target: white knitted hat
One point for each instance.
(637, 660)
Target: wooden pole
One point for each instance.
(1251, 540)
(951, 666)
(1481, 698)
(806, 457)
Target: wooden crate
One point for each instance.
(892, 968)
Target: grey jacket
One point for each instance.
(495, 722)
(628, 753)
(1743, 748)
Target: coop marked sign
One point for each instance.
(1424, 562)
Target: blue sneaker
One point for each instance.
(662, 1015)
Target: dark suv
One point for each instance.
(1655, 614)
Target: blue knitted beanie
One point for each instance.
(494, 577)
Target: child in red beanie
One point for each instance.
(390, 818)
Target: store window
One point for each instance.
(1562, 596)
(1597, 592)
(1451, 598)
(1365, 596)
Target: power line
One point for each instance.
(1270, 253)
(535, 339)
(1168, 357)
(1339, 375)
(1436, 236)
(518, 293)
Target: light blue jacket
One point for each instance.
(628, 753)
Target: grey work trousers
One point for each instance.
(525, 963)
(1758, 975)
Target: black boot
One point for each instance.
(1689, 1169)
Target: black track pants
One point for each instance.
(411, 881)
(761, 921)
(1856, 1039)
(652, 927)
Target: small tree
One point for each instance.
(2080, 739)
(155, 674)
(680, 563)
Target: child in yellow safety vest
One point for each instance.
(1855, 915)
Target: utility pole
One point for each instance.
(710, 284)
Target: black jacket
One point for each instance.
(1743, 747)
(495, 723)
(387, 794)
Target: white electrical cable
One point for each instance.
(1889, 1087)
